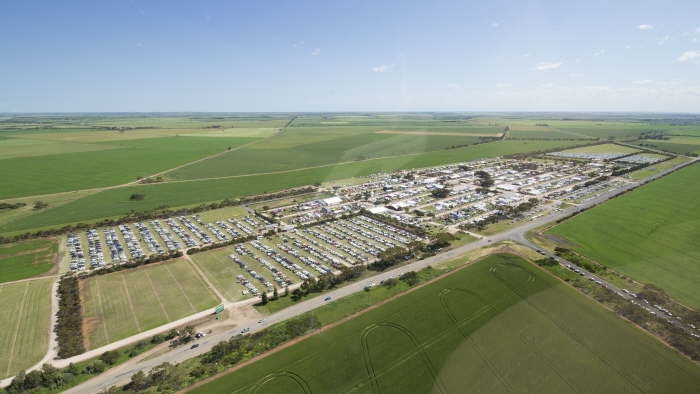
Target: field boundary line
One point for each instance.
(204, 279)
(179, 286)
(17, 326)
(131, 304)
(155, 292)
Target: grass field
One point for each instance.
(305, 147)
(683, 145)
(656, 168)
(221, 271)
(603, 148)
(54, 173)
(26, 259)
(122, 304)
(499, 326)
(24, 324)
(116, 202)
(26, 147)
(650, 234)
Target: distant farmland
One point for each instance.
(124, 161)
(650, 234)
(499, 326)
(115, 202)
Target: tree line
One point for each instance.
(69, 325)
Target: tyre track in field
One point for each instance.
(17, 326)
(155, 292)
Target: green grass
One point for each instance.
(221, 272)
(116, 201)
(603, 148)
(656, 168)
(24, 324)
(121, 304)
(306, 147)
(500, 325)
(26, 259)
(25, 147)
(46, 174)
(650, 234)
(682, 145)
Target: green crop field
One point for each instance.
(498, 326)
(683, 145)
(53, 173)
(305, 147)
(24, 324)
(121, 304)
(26, 259)
(116, 201)
(651, 234)
(656, 168)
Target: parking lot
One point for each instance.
(95, 248)
(247, 269)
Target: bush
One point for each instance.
(410, 277)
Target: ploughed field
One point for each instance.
(498, 326)
(650, 234)
(24, 324)
(121, 304)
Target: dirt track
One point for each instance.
(497, 135)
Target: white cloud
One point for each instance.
(454, 86)
(382, 68)
(643, 82)
(298, 44)
(495, 24)
(645, 27)
(577, 75)
(599, 53)
(663, 40)
(139, 44)
(316, 52)
(542, 66)
(688, 55)
(503, 85)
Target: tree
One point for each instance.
(286, 291)
(138, 381)
(275, 295)
(33, 379)
(110, 357)
(440, 193)
(137, 197)
(263, 298)
(17, 385)
(410, 277)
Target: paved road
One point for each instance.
(122, 373)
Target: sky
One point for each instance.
(288, 56)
